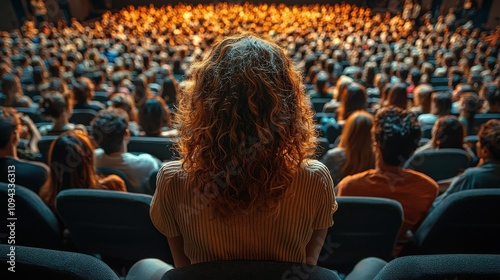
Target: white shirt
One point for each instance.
(138, 168)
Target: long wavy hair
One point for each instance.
(245, 125)
(357, 143)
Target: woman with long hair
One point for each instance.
(246, 177)
(354, 153)
(447, 133)
(71, 164)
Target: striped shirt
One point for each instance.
(179, 210)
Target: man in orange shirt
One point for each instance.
(396, 134)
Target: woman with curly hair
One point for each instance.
(246, 186)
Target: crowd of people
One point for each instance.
(234, 85)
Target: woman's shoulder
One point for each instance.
(313, 167)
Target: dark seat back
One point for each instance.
(363, 227)
(439, 164)
(34, 224)
(442, 267)
(159, 147)
(250, 270)
(466, 222)
(113, 224)
(38, 263)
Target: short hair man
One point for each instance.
(111, 134)
(487, 173)
(396, 134)
(29, 174)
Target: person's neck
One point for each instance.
(59, 124)
(9, 151)
(382, 166)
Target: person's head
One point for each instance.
(396, 133)
(422, 97)
(488, 144)
(141, 90)
(169, 90)
(71, 164)
(469, 104)
(398, 96)
(448, 132)
(55, 105)
(321, 81)
(354, 98)
(356, 140)
(245, 124)
(11, 87)
(110, 130)
(491, 93)
(126, 103)
(441, 103)
(83, 90)
(10, 126)
(342, 83)
(153, 116)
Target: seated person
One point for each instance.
(440, 106)
(58, 107)
(487, 173)
(77, 173)
(490, 92)
(396, 134)
(83, 91)
(447, 133)
(111, 134)
(321, 89)
(126, 102)
(154, 118)
(29, 174)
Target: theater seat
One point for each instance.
(113, 225)
(466, 222)
(250, 270)
(442, 267)
(39, 263)
(363, 227)
(35, 225)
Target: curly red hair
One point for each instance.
(245, 125)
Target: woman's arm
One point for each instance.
(177, 248)
(314, 246)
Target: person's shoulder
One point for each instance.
(169, 170)
(421, 179)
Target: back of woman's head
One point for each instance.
(398, 96)
(83, 90)
(71, 162)
(153, 116)
(341, 84)
(169, 90)
(141, 90)
(245, 124)
(10, 85)
(354, 98)
(356, 140)
(441, 103)
(320, 81)
(448, 132)
(54, 104)
(126, 102)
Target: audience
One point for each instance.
(396, 133)
(30, 174)
(440, 106)
(71, 163)
(111, 134)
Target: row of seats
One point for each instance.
(35, 263)
(116, 226)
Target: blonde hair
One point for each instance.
(356, 140)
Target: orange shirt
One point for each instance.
(414, 190)
(178, 209)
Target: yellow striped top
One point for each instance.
(177, 209)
